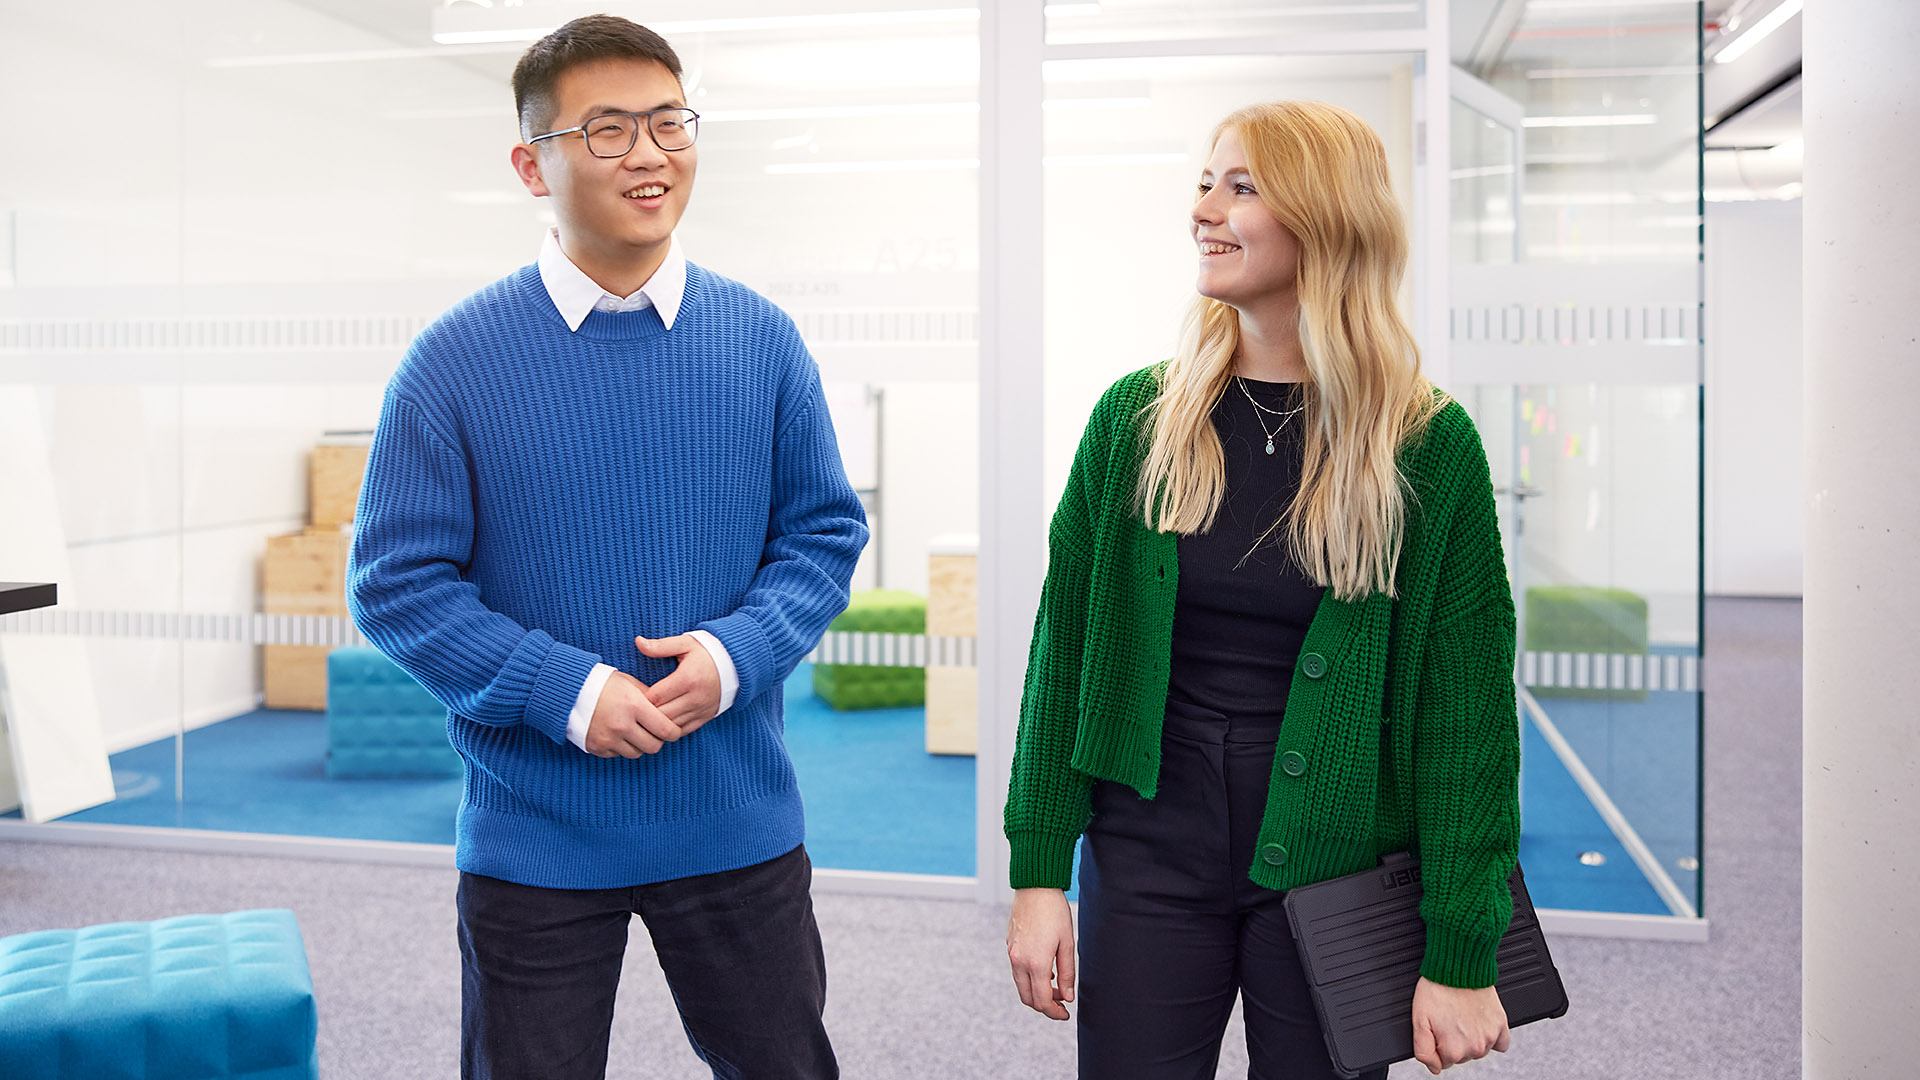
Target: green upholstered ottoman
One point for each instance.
(872, 686)
(1586, 619)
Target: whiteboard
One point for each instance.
(56, 759)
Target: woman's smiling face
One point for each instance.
(1246, 255)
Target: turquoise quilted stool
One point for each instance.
(380, 723)
(198, 997)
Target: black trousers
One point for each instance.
(1171, 929)
(740, 950)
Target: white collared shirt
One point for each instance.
(576, 295)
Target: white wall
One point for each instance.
(1756, 521)
(930, 476)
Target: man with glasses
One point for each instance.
(604, 518)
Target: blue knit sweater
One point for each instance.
(536, 497)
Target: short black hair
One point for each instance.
(586, 40)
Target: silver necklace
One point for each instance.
(1286, 417)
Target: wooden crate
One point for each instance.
(296, 676)
(953, 603)
(305, 573)
(334, 472)
(953, 595)
(953, 710)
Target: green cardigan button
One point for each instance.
(1273, 855)
(1314, 665)
(1292, 763)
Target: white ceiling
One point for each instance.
(1557, 57)
(1641, 58)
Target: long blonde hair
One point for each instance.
(1322, 172)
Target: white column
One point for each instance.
(1861, 885)
(1012, 386)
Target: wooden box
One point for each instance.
(296, 676)
(305, 573)
(953, 710)
(953, 595)
(953, 603)
(334, 472)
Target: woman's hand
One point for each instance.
(1452, 1024)
(1039, 944)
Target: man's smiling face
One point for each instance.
(625, 207)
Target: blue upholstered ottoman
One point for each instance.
(380, 723)
(197, 997)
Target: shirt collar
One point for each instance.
(575, 294)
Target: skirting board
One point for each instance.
(1559, 922)
(1555, 921)
(215, 842)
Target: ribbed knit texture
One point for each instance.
(536, 498)
(1409, 734)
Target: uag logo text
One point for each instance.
(1400, 879)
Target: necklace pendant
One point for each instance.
(1269, 446)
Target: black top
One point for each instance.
(1236, 632)
(25, 596)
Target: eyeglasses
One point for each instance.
(613, 135)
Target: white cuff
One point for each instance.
(729, 678)
(582, 715)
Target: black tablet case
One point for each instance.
(1361, 941)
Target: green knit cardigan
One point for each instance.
(1400, 730)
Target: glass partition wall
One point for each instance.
(205, 348)
(191, 367)
(1576, 345)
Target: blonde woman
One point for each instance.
(1275, 642)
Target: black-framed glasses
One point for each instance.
(613, 135)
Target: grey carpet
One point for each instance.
(919, 988)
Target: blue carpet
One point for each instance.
(1646, 756)
(876, 800)
(265, 772)
(1558, 825)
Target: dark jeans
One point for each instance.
(740, 950)
(1171, 928)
